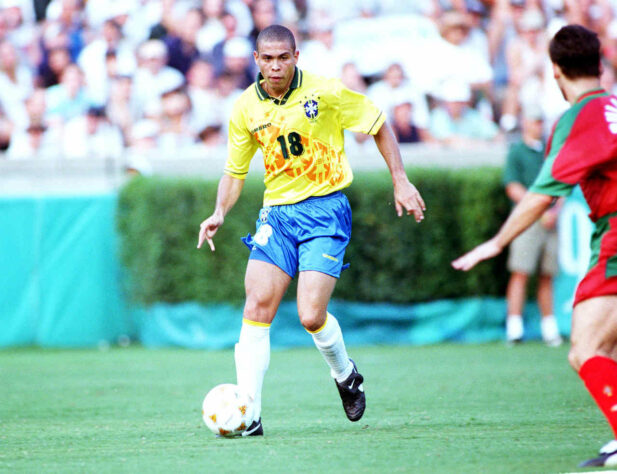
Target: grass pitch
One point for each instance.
(445, 408)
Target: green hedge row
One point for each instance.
(392, 259)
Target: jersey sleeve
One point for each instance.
(358, 112)
(241, 145)
(546, 182)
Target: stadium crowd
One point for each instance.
(111, 78)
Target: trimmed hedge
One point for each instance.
(392, 259)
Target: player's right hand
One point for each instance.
(208, 228)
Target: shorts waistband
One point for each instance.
(335, 194)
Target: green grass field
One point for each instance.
(445, 408)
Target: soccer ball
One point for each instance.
(227, 410)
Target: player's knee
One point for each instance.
(575, 358)
(257, 310)
(311, 321)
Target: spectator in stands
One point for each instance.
(32, 143)
(211, 137)
(402, 123)
(95, 58)
(526, 57)
(202, 94)
(230, 23)
(238, 62)
(64, 26)
(263, 13)
(319, 55)
(226, 92)
(52, 66)
(175, 122)
(143, 143)
(213, 30)
(454, 122)
(537, 246)
(68, 99)
(459, 57)
(122, 108)
(15, 81)
(395, 89)
(153, 77)
(182, 42)
(92, 136)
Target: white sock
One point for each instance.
(550, 330)
(329, 341)
(514, 327)
(252, 356)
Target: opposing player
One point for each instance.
(582, 150)
(297, 120)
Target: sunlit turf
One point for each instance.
(444, 408)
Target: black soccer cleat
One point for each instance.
(352, 394)
(606, 457)
(256, 429)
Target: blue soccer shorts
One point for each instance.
(308, 235)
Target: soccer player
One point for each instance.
(297, 120)
(582, 150)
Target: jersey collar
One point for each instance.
(263, 95)
(587, 94)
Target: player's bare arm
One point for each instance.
(526, 212)
(227, 194)
(406, 196)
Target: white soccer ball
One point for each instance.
(227, 410)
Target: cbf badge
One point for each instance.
(311, 109)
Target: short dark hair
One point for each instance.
(576, 50)
(276, 33)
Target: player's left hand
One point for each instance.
(484, 251)
(408, 197)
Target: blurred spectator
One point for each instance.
(142, 144)
(213, 30)
(31, 143)
(454, 122)
(211, 137)
(64, 26)
(526, 56)
(102, 57)
(91, 136)
(230, 23)
(122, 108)
(318, 54)
(33, 111)
(18, 19)
(352, 79)
(50, 69)
(68, 99)
(15, 80)
(182, 44)
(402, 123)
(263, 13)
(238, 62)
(537, 246)
(175, 121)
(459, 57)
(394, 90)
(203, 97)
(227, 92)
(153, 77)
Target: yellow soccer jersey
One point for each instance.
(301, 136)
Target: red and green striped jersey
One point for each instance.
(582, 150)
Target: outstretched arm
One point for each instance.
(406, 196)
(527, 211)
(227, 194)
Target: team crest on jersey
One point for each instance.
(311, 109)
